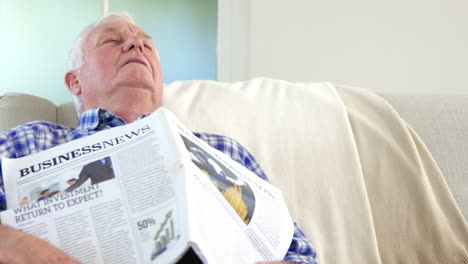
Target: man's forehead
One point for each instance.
(119, 27)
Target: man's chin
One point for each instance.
(135, 85)
(135, 77)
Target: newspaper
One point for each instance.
(146, 192)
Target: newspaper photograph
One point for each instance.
(257, 206)
(146, 192)
(239, 195)
(66, 181)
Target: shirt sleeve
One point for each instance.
(26, 139)
(5, 145)
(2, 192)
(300, 250)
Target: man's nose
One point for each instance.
(134, 43)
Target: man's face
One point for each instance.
(71, 182)
(46, 193)
(120, 68)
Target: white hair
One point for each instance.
(77, 50)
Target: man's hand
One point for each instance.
(19, 247)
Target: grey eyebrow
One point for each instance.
(111, 30)
(117, 30)
(144, 35)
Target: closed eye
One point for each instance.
(110, 41)
(148, 47)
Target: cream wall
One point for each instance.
(393, 46)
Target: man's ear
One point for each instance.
(72, 83)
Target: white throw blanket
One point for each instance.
(358, 180)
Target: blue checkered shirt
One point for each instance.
(40, 135)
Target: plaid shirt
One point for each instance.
(39, 135)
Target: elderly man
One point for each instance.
(115, 78)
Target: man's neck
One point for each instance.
(129, 110)
(131, 115)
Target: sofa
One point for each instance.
(267, 116)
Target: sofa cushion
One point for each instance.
(18, 108)
(67, 115)
(442, 123)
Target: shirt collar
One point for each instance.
(98, 118)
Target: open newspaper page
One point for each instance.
(117, 196)
(256, 208)
(144, 193)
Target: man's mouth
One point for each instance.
(134, 60)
